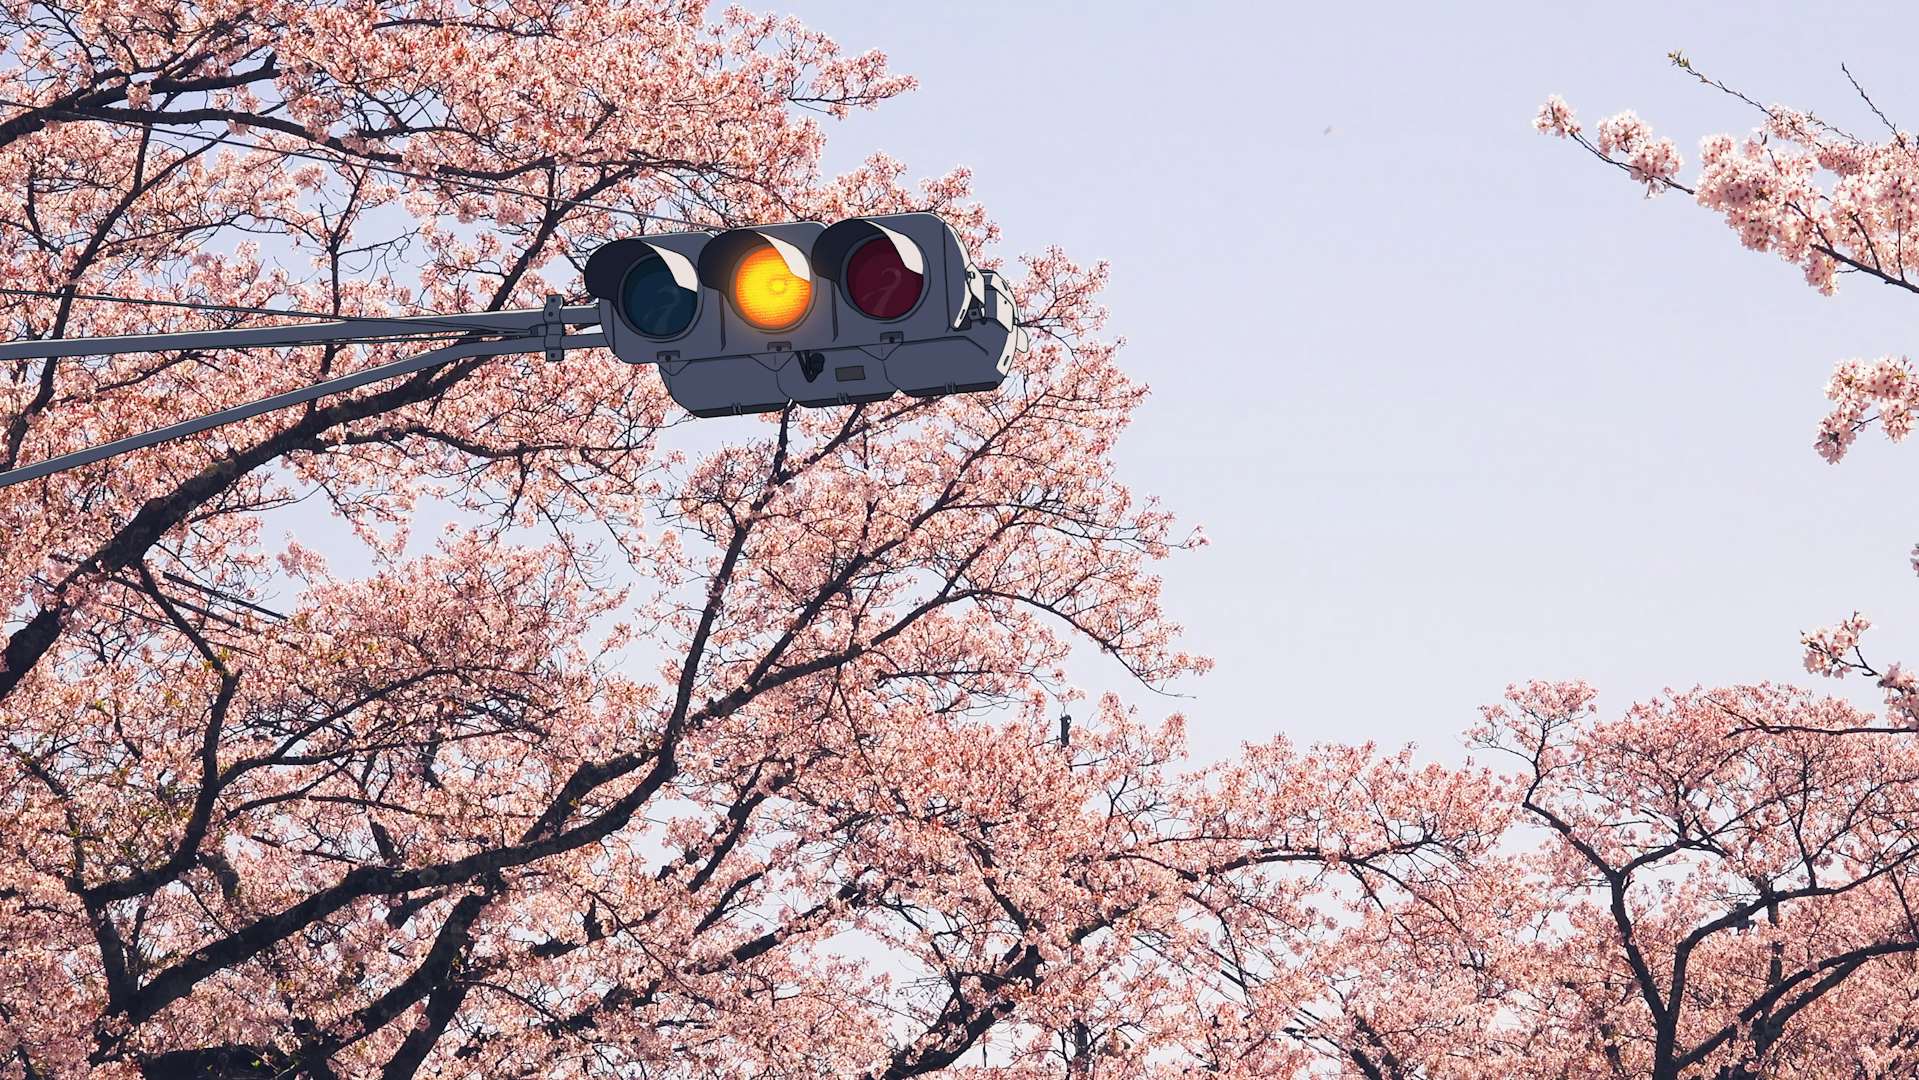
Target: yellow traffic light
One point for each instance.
(766, 292)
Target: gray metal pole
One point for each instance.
(519, 321)
(292, 397)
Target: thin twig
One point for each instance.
(1874, 106)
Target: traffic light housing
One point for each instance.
(749, 319)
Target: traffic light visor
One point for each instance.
(765, 290)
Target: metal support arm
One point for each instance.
(346, 331)
(532, 331)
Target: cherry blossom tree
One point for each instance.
(1715, 884)
(1832, 203)
(661, 759)
(667, 759)
(1719, 883)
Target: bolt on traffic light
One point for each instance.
(749, 319)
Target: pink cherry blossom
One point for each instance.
(668, 753)
(1828, 651)
(613, 748)
(1733, 866)
(1556, 118)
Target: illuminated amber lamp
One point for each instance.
(766, 292)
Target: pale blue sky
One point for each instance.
(1455, 404)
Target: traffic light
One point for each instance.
(739, 321)
(749, 319)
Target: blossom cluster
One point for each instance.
(1863, 391)
(1556, 118)
(1828, 650)
(1651, 161)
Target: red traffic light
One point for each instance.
(878, 281)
